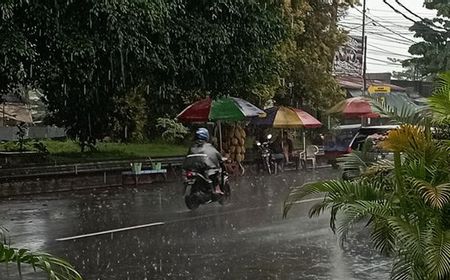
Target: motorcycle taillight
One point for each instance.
(189, 174)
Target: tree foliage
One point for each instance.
(88, 55)
(309, 52)
(433, 51)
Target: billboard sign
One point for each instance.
(348, 60)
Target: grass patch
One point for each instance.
(69, 151)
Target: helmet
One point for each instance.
(202, 134)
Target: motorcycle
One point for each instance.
(266, 156)
(197, 187)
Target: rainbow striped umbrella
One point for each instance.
(287, 117)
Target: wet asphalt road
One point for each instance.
(245, 239)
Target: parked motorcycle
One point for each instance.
(197, 187)
(266, 156)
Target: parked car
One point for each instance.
(345, 138)
(366, 150)
(366, 131)
(337, 142)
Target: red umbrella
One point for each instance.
(222, 109)
(197, 112)
(355, 107)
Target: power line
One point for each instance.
(387, 37)
(390, 12)
(410, 19)
(384, 64)
(387, 27)
(398, 12)
(380, 60)
(387, 51)
(380, 42)
(421, 18)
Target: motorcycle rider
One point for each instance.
(210, 160)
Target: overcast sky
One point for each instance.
(387, 31)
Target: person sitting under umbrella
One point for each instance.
(287, 147)
(278, 153)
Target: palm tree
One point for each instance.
(439, 102)
(55, 268)
(405, 203)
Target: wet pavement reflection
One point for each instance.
(245, 239)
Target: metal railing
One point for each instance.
(80, 168)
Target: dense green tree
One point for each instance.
(86, 55)
(308, 54)
(433, 51)
(221, 48)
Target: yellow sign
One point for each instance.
(379, 89)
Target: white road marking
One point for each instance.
(109, 231)
(308, 200)
(174, 221)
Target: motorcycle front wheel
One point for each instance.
(227, 193)
(267, 165)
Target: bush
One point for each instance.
(173, 131)
(25, 145)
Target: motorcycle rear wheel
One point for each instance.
(191, 202)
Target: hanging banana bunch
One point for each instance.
(234, 141)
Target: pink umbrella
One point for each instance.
(355, 107)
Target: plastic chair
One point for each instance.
(311, 153)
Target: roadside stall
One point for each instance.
(289, 118)
(229, 111)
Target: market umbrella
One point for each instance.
(355, 107)
(288, 117)
(222, 109)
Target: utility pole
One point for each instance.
(290, 86)
(364, 64)
(364, 47)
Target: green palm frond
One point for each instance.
(56, 269)
(337, 194)
(436, 195)
(410, 236)
(358, 211)
(382, 236)
(401, 269)
(439, 102)
(357, 162)
(405, 269)
(438, 254)
(381, 167)
(408, 113)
